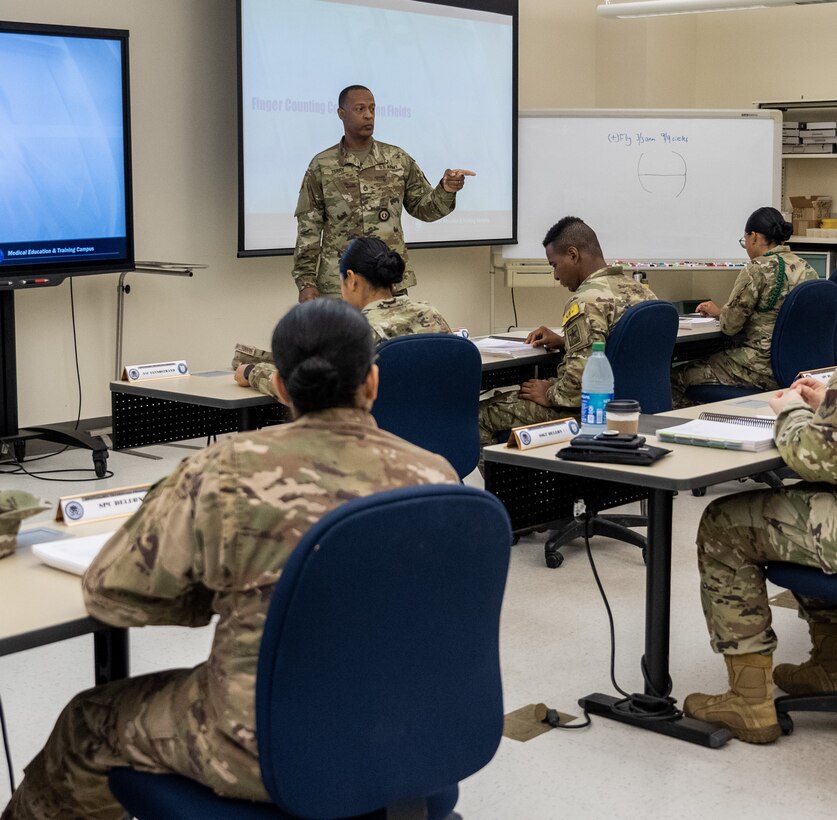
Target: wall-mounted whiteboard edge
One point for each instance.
(709, 225)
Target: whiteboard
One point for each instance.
(654, 185)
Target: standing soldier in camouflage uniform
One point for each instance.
(212, 539)
(358, 188)
(601, 294)
(751, 310)
(369, 272)
(738, 534)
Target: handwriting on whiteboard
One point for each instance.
(644, 138)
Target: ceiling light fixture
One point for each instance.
(655, 8)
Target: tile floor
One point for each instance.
(555, 648)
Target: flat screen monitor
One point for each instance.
(443, 74)
(65, 153)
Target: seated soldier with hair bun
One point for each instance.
(369, 273)
(212, 539)
(749, 314)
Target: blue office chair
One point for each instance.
(804, 338)
(378, 680)
(429, 395)
(639, 349)
(811, 583)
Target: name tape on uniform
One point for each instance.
(97, 506)
(158, 370)
(546, 432)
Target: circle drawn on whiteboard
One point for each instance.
(662, 173)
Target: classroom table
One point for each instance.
(202, 404)
(41, 605)
(510, 474)
(210, 403)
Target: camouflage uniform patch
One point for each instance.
(212, 538)
(342, 197)
(589, 316)
(749, 318)
(798, 524)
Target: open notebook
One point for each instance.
(71, 554)
(753, 433)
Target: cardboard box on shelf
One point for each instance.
(808, 211)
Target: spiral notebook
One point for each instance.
(751, 433)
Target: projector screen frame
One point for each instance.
(39, 274)
(506, 7)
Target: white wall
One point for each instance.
(183, 78)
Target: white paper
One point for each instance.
(71, 554)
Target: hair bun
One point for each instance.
(389, 266)
(315, 381)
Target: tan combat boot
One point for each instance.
(747, 708)
(819, 673)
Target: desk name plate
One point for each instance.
(545, 432)
(157, 370)
(101, 505)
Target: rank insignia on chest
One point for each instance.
(383, 214)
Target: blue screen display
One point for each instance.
(64, 178)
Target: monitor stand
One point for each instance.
(10, 434)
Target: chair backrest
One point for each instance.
(805, 334)
(379, 677)
(429, 395)
(639, 349)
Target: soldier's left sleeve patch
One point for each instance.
(576, 334)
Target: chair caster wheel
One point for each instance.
(100, 465)
(785, 723)
(699, 492)
(554, 560)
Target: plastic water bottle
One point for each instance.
(596, 390)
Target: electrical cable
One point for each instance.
(7, 748)
(657, 706)
(514, 311)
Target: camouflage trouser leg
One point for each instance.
(150, 723)
(502, 411)
(739, 533)
(731, 367)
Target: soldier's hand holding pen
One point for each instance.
(454, 180)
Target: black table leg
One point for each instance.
(111, 654)
(655, 714)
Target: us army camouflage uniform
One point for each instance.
(388, 318)
(798, 524)
(589, 316)
(15, 506)
(212, 538)
(342, 196)
(750, 319)
(400, 316)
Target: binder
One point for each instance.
(728, 432)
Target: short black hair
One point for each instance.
(770, 224)
(323, 351)
(374, 260)
(341, 99)
(573, 231)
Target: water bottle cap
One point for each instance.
(598, 347)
